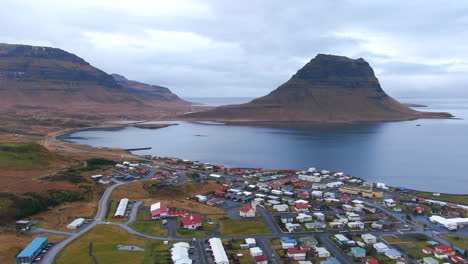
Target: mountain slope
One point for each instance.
(149, 94)
(51, 80)
(327, 89)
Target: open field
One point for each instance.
(453, 198)
(171, 196)
(233, 227)
(20, 161)
(17, 241)
(58, 217)
(105, 238)
(154, 228)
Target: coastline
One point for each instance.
(66, 135)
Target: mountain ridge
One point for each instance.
(46, 78)
(328, 88)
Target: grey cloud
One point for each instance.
(249, 48)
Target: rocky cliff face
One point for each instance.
(327, 89)
(53, 79)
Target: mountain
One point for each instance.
(52, 79)
(149, 94)
(327, 89)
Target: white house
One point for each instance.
(247, 211)
(301, 217)
(369, 238)
(287, 242)
(256, 251)
(281, 207)
(356, 225)
(322, 252)
(353, 216)
(389, 202)
(380, 247)
(319, 216)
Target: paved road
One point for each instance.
(334, 250)
(36, 230)
(102, 209)
(133, 213)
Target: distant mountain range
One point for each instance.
(51, 78)
(327, 89)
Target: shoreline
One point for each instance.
(66, 135)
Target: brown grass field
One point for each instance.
(176, 197)
(58, 217)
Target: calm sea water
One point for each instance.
(432, 156)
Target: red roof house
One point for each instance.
(158, 210)
(372, 261)
(220, 193)
(192, 221)
(247, 211)
(302, 207)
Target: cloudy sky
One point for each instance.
(217, 48)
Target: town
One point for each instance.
(255, 215)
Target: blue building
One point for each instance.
(29, 253)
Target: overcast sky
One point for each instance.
(217, 48)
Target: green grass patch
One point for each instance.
(25, 156)
(234, 227)
(105, 238)
(453, 198)
(154, 228)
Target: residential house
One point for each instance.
(247, 211)
(322, 252)
(297, 254)
(380, 247)
(389, 202)
(281, 207)
(261, 259)
(392, 253)
(192, 221)
(372, 261)
(302, 207)
(337, 224)
(256, 251)
(358, 252)
(251, 242)
(291, 227)
(356, 225)
(429, 260)
(287, 242)
(309, 241)
(301, 217)
(427, 251)
(353, 216)
(319, 216)
(369, 238)
(287, 218)
(316, 225)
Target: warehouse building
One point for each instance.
(29, 253)
(76, 223)
(120, 212)
(219, 254)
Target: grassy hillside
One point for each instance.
(25, 156)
